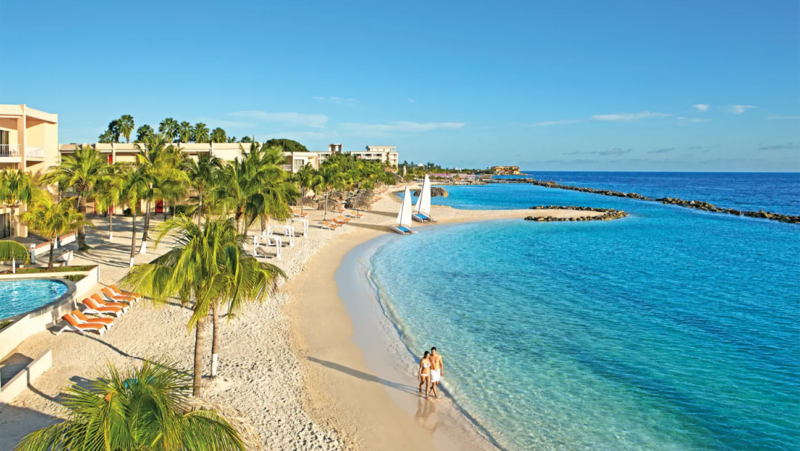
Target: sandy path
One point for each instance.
(295, 404)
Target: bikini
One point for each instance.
(426, 366)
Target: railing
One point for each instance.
(9, 150)
(34, 152)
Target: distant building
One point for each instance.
(335, 148)
(505, 170)
(379, 153)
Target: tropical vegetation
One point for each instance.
(144, 408)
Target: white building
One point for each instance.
(379, 153)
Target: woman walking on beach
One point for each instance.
(425, 373)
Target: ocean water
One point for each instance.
(670, 329)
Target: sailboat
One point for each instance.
(422, 211)
(403, 226)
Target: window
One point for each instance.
(5, 225)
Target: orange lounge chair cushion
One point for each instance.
(95, 306)
(116, 297)
(71, 321)
(118, 290)
(97, 298)
(79, 314)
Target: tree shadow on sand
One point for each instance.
(365, 376)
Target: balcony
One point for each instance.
(34, 153)
(9, 150)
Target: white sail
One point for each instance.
(424, 200)
(404, 216)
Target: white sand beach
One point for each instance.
(289, 365)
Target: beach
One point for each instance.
(288, 365)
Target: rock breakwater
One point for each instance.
(608, 214)
(695, 204)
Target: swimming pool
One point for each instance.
(22, 296)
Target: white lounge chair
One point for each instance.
(74, 326)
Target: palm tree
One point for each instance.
(113, 129)
(50, 220)
(146, 408)
(246, 139)
(108, 194)
(185, 132)
(206, 267)
(307, 178)
(144, 132)
(80, 172)
(126, 126)
(169, 128)
(134, 188)
(330, 178)
(203, 174)
(160, 164)
(200, 133)
(106, 137)
(12, 251)
(218, 136)
(17, 188)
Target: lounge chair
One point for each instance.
(356, 215)
(99, 309)
(341, 220)
(298, 213)
(74, 326)
(120, 292)
(83, 319)
(113, 297)
(330, 226)
(103, 303)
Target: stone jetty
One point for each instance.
(608, 214)
(695, 204)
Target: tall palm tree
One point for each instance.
(203, 174)
(207, 267)
(109, 194)
(218, 136)
(169, 128)
(79, 172)
(11, 251)
(330, 178)
(200, 133)
(126, 126)
(146, 408)
(106, 137)
(17, 188)
(144, 132)
(307, 178)
(159, 162)
(134, 188)
(50, 220)
(185, 132)
(246, 139)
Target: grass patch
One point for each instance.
(75, 277)
(56, 269)
(5, 323)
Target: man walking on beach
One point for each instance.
(437, 370)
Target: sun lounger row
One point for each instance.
(116, 303)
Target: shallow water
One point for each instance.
(670, 329)
(21, 296)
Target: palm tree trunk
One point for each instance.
(198, 356)
(327, 195)
(214, 342)
(82, 230)
(146, 225)
(200, 209)
(111, 223)
(50, 263)
(133, 235)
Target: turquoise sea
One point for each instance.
(669, 329)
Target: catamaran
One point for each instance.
(403, 226)
(422, 211)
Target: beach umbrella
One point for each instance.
(332, 205)
(338, 195)
(359, 203)
(307, 202)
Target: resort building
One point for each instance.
(505, 170)
(28, 142)
(379, 153)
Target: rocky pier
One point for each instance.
(608, 214)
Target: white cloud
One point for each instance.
(338, 100)
(558, 122)
(782, 118)
(628, 117)
(412, 101)
(213, 123)
(701, 107)
(308, 120)
(738, 109)
(362, 129)
(691, 120)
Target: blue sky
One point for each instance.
(616, 85)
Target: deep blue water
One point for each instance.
(670, 329)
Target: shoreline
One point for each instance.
(349, 380)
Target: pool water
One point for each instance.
(21, 296)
